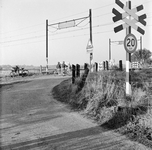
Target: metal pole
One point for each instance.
(141, 48)
(141, 42)
(46, 46)
(91, 54)
(109, 50)
(128, 58)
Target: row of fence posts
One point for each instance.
(76, 69)
(106, 66)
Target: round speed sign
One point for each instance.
(130, 43)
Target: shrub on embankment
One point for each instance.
(103, 98)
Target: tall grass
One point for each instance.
(103, 98)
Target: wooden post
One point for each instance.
(120, 65)
(73, 74)
(85, 66)
(96, 66)
(77, 70)
(104, 67)
(107, 65)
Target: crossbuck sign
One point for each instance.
(129, 12)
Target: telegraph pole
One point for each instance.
(91, 54)
(46, 46)
(128, 58)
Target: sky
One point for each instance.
(23, 31)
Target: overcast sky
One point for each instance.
(23, 31)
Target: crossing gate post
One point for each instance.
(73, 74)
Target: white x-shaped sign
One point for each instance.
(128, 22)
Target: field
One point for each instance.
(103, 99)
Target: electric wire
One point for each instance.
(24, 34)
(58, 19)
(64, 32)
(23, 28)
(55, 33)
(61, 38)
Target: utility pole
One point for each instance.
(128, 58)
(109, 50)
(91, 54)
(46, 46)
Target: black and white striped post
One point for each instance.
(128, 58)
(130, 41)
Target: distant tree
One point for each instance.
(141, 55)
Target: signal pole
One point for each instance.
(91, 54)
(46, 46)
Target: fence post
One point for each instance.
(73, 74)
(120, 65)
(104, 67)
(83, 77)
(96, 66)
(107, 65)
(77, 70)
(85, 66)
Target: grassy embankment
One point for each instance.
(103, 98)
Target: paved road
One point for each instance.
(32, 119)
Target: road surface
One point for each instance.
(32, 119)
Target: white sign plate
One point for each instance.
(130, 43)
(89, 47)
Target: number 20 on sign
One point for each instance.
(130, 43)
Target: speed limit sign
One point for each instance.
(130, 43)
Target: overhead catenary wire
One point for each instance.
(23, 28)
(58, 19)
(64, 32)
(55, 33)
(64, 17)
(24, 34)
(61, 38)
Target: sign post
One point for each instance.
(130, 42)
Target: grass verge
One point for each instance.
(103, 98)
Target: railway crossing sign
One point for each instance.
(130, 43)
(128, 12)
(89, 47)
